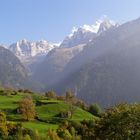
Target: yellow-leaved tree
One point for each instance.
(27, 108)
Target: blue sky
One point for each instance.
(53, 19)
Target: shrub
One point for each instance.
(95, 110)
(50, 94)
(119, 123)
(27, 108)
(3, 125)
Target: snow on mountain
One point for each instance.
(31, 53)
(86, 33)
(108, 69)
(24, 49)
(105, 25)
(57, 59)
(78, 36)
(86, 28)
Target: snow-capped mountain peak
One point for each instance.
(106, 24)
(86, 28)
(86, 33)
(100, 25)
(25, 49)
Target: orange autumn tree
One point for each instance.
(27, 108)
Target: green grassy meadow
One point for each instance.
(47, 111)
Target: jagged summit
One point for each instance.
(86, 28)
(85, 33)
(100, 25)
(25, 48)
(106, 24)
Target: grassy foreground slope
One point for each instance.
(47, 110)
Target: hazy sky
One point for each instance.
(53, 19)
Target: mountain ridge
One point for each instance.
(12, 71)
(108, 69)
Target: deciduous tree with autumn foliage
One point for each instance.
(27, 108)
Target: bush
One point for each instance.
(95, 110)
(66, 114)
(27, 108)
(3, 125)
(119, 123)
(50, 94)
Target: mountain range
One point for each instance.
(99, 63)
(107, 71)
(53, 65)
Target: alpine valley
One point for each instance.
(99, 63)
